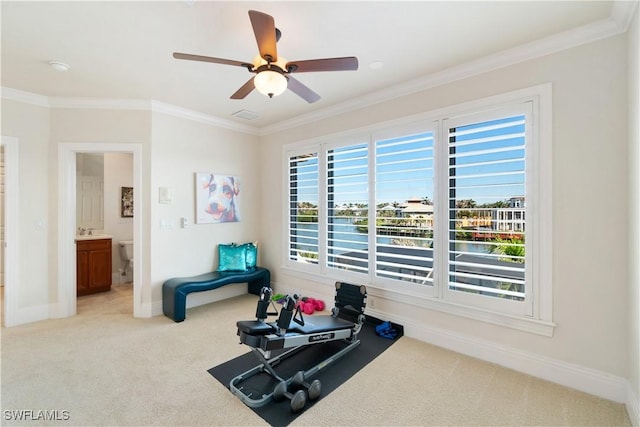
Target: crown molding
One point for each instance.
(622, 13)
(25, 97)
(99, 103)
(617, 23)
(621, 16)
(122, 104)
(185, 113)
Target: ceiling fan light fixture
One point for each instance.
(270, 83)
(259, 61)
(272, 71)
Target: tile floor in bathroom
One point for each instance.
(119, 300)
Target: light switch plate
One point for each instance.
(166, 224)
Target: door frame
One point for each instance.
(67, 299)
(11, 208)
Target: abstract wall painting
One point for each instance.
(217, 198)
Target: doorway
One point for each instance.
(10, 221)
(2, 223)
(67, 300)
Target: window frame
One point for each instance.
(414, 127)
(305, 268)
(351, 145)
(538, 317)
(303, 152)
(519, 308)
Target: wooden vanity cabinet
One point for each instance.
(93, 266)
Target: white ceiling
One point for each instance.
(123, 50)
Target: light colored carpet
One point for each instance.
(106, 368)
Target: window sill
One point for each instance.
(521, 323)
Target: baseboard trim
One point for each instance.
(117, 278)
(30, 314)
(156, 308)
(633, 406)
(577, 377)
(574, 376)
(197, 299)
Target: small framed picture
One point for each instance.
(126, 202)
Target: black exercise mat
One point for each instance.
(331, 377)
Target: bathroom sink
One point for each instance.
(93, 237)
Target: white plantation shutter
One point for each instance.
(452, 207)
(303, 208)
(404, 228)
(487, 201)
(347, 205)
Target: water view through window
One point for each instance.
(483, 190)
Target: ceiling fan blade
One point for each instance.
(329, 64)
(302, 91)
(201, 58)
(244, 90)
(264, 28)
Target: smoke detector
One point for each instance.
(59, 65)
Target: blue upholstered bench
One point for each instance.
(175, 291)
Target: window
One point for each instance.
(347, 207)
(452, 208)
(303, 208)
(486, 177)
(404, 215)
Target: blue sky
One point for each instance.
(488, 159)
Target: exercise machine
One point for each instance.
(272, 342)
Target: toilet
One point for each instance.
(126, 256)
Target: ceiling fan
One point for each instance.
(273, 73)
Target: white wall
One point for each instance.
(180, 149)
(590, 212)
(102, 126)
(30, 124)
(633, 49)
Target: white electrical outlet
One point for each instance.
(184, 222)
